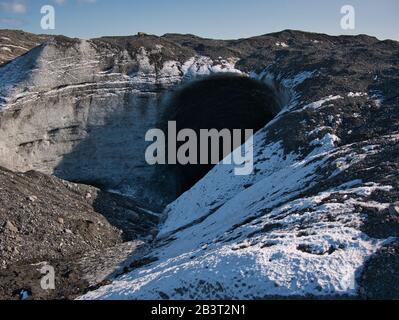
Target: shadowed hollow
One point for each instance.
(219, 102)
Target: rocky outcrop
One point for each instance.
(47, 220)
(73, 276)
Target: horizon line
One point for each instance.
(198, 36)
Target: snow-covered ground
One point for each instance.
(294, 227)
(267, 234)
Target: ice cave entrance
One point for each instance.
(226, 101)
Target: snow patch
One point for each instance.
(282, 44)
(318, 104)
(203, 66)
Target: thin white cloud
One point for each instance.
(12, 22)
(62, 2)
(88, 1)
(17, 7)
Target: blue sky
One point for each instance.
(222, 19)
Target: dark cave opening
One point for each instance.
(219, 102)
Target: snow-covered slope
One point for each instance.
(294, 228)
